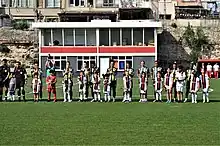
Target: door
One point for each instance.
(104, 65)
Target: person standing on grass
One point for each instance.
(36, 84)
(5, 75)
(180, 82)
(68, 82)
(143, 81)
(168, 82)
(38, 71)
(96, 87)
(216, 70)
(154, 72)
(131, 74)
(209, 70)
(106, 87)
(205, 84)
(1, 82)
(93, 70)
(127, 87)
(158, 87)
(112, 71)
(141, 70)
(51, 85)
(194, 86)
(82, 80)
(21, 79)
(188, 79)
(87, 73)
(174, 72)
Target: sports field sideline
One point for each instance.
(111, 123)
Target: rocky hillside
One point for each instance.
(18, 45)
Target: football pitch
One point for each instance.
(86, 123)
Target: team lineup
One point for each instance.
(174, 81)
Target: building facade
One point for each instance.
(95, 42)
(50, 10)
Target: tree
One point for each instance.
(197, 41)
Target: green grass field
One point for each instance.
(111, 123)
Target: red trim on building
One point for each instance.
(102, 49)
(126, 49)
(209, 61)
(69, 49)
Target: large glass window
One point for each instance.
(53, 3)
(89, 60)
(68, 37)
(108, 3)
(115, 37)
(80, 37)
(91, 37)
(77, 3)
(60, 62)
(126, 36)
(138, 36)
(47, 37)
(104, 37)
(22, 3)
(57, 37)
(121, 61)
(149, 36)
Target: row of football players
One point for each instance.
(170, 82)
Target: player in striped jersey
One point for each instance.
(143, 80)
(158, 87)
(194, 86)
(168, 81)
(204, 78)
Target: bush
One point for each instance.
(21, 24)
(4, 49)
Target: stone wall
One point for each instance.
(22, 45)
(171, 47)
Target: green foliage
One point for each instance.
(21, 24)
(197, 41)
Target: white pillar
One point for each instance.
(51, 36)
(143, 36)
(155, 42)
(40, 45)
(109, 37)
(132, 37)
(97, 47)
(85, 37)
(63, 36)
(120, 36)
(74, 37)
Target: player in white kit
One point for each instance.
(180, 82)
(168, 83)
(205, 86)
(194, 86)
(216, 70)
(209, 70)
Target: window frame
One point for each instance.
(82, 58)
(59, 60)
(124, 60)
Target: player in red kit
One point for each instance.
(51, 85)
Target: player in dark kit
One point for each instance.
(5, 72)
(21, 78)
